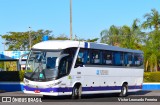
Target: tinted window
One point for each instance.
(95, 57)
(118, 58)
(107, 57)
(83, 56)
(130, 58)
(138, 59)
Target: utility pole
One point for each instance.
(30, 43)
(70, 19)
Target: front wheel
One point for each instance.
(76, 92)
(124, 90)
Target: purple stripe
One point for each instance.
(101, 88)
(135, 87)
(69, 89)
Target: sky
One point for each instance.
(90, 17)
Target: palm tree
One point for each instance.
(152, 20)
(151, 56)
(152, 44)
(125, 36)
(132, 36)
(111, 36)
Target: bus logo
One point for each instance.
(102, 72)
(97, 72)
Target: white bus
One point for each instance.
(74, 68)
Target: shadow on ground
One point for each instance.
(139, 93)
(93, 98)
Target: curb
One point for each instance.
(151, 86)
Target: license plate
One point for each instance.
(37, 91)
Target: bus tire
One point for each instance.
(76, 92)
(124, 90)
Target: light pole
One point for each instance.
(70, 19)
(30, 43)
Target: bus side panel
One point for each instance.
(107, 80)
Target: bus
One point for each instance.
(56, 68)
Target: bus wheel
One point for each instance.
(124, 90)
(76, 92)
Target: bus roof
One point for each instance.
(63, 44)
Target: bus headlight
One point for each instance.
(50, 85)
(57, 83)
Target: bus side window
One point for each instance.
(122, 58)
(117, 58)
(80, 60)
(129, 59)
(107, 57)
(95, 57)
(125, 59)
(138, 60)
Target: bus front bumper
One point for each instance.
(54, 91)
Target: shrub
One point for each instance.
(21, 74)
(152, 77)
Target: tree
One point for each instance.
(132, 36)
(20, 40)
(125, 36)
(92, 40)
(151, 51)
(1, 65)
(152, 44)
(87, 40)
(111, 36)
(61, 37)
(152, 20)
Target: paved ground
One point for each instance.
(88, 99)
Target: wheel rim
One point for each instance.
(76, 92)
(124, 90)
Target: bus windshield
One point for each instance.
(42, 66)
